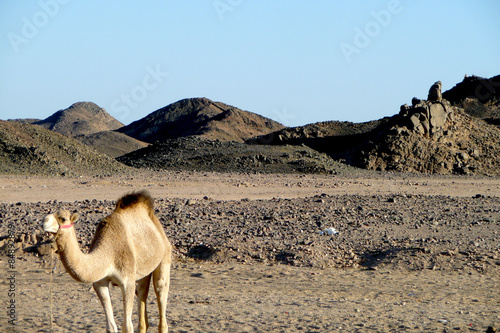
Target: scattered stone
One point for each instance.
(44, 249)
(286, 231)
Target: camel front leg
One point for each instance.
(141, 291)
(128, 292)
(102, 290)
(161, 282)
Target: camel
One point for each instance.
(129, 247)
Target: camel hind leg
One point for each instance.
(161, 282)
(142, 291)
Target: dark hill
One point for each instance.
(194, 153)
(25, 120)
(479, 97)
(337, 139)
(82, 118)
(476, 87)
(200, 117)
(30, 149)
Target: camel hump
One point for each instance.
(135, 198)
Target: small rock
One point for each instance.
(198, 275)
(44, 249)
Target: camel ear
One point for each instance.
(74, 217)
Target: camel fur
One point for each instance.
(129, 247)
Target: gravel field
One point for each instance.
(258, 260)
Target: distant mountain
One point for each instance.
(25, 120)
(93, 126)
(203, 118)
(30, 149)
(82, 118)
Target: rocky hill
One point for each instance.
(25, 120)
(200, 117)
(30, 149)
(93, 126)
(427, 137)
(81, 118)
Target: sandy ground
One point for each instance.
(236, 186)
(234, 297)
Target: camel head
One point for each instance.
(60, 220)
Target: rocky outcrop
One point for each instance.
(429, 118)
(434, 137)
(435, 92)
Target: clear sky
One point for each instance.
(294, 61)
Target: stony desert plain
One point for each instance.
(413, 253)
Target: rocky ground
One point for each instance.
(402, 260)
(399, 231)
(197, 154)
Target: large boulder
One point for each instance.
(429, 118)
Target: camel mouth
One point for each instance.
(50, 224)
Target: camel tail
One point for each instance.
(135, 198)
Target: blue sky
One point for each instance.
(294, 61)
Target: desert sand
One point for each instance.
(259, 297)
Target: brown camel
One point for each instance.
(129, 247)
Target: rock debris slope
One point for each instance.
(30, 149)
(198, 154)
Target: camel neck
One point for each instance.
(82, 267)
